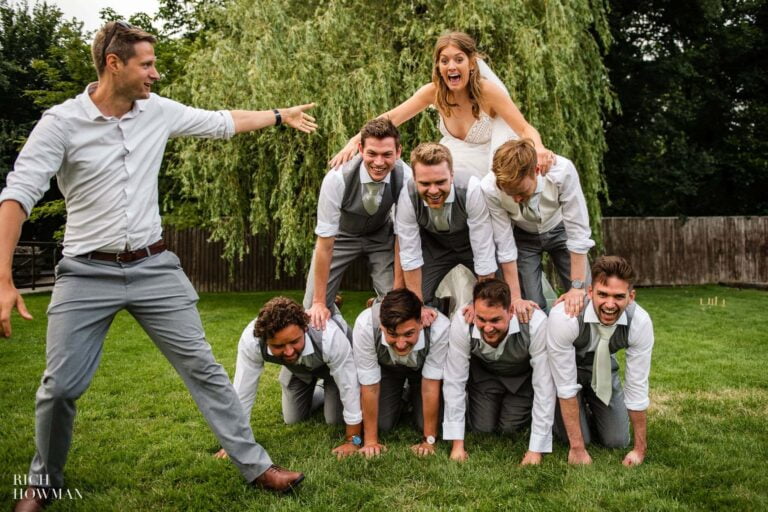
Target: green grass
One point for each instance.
(141, 444)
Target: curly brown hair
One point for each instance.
(277, 314)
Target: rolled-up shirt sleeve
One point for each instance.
(544, 395)
(329, 204)
(408, 233)
(480, 230)
(248, 369)
(338, 356)
(455, 378)
(364, 350)
(434, 364)
(39, 160)
(562, 330)
(196, 122)
(638, 361)
(574, 208)
(503, 233)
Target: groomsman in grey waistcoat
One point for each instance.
(281, 334)
(105, 148)
(582, 358)
(501, 366)
(534, 214)
(442, 221)
(391, 350)
(355, 218)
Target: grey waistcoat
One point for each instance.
(382, 354)
(456, 239)
(513, 368)
(312, 367)
(619, 340)
(354, 219)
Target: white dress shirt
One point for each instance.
(478, 220)
(457, 374)
(337, 354)
(367, 362)
(562, 331)
(332, 194)
(106, 167)
(558, 198)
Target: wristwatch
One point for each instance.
(578, 284)
(428, 439)
(355, 440)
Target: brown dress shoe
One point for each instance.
(278, 479)
(34, 499)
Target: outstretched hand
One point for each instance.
(10, 298)
(297, 118)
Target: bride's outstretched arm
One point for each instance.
(398, 115)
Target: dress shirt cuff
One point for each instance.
(637, 406)
(326, 230)
(540, 443)
(453, 430)
(26, 201)
(229, 124)
(411, 263)
(568, 391)
(507, 256)
(428, 371)
(483, 268)
(369, 377)
(580, 246)
(352, 419)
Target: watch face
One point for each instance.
(356, 440)
(430, 439)
(577, 284)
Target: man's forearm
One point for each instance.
(399, 279)
(639, 426)
(430, 398)
(369, 400)
(251, 120)
(509, 271)
(323, 256)
(354, 430)
(413, 281)
(578, 266)
(12, 216)
(569, 408)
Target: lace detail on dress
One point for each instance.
(479, 133)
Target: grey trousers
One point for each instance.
(301, 399)
(608, 423)
(86, 297)
(394, 397)
(381, 265)
(530, 247)
(492, 408)
(437, 263)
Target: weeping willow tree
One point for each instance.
(357, 59)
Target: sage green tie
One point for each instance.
(440, 218)
(371, 199)
(530, 213)
(601, 366)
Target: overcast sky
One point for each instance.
(87, 11)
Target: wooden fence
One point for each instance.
(663, 250)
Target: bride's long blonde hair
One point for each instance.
(466, 44)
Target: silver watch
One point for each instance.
(578, 284)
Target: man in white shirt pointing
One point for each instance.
(105, 148)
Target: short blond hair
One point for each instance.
(120, 38)
(431, 153)
(514, 161)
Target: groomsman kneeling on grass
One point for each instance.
(281, 334)
(390, 348)
(502, 366)
(584, 367)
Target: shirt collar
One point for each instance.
(366, 178)
(93, 111)
(590, 316)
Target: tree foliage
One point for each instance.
(692, 78)
(357, 59)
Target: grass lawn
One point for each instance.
(140, 443)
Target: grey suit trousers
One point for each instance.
(492, 408)
(300, 399)
(156, 292)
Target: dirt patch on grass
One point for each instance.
(747, 401)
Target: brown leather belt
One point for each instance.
(128, 256)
